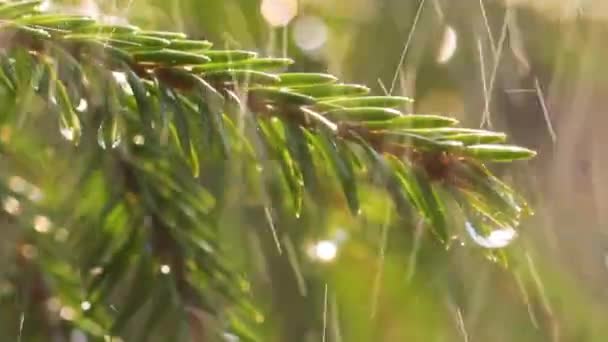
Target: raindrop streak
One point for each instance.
(380, 264)
(412, 259)
(461, 326)
(497, 55)
(406, 47)
(543, 104)
(292, 256)
(325, 314)
(487, 25)
(275, 236)
(21, 322)
(526, 298)
(485, 118)
(335, 320)
(498, 238)
(539, 285)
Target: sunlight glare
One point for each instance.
(42, 224)
(78, 336)
(53, 304)
(67, 313)
(325, 250)
(11, 205)
(17, 184)
(165, 269)
(310, 33)
(139, 140)
(279, 13)
(28, 251)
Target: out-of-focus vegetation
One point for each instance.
(532, 69)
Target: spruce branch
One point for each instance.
(153, 111)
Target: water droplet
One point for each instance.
(68, 133)
(82, 105)
(324, 250)
(448, 45)
(69, 126)
(115, 143)
(95, 271)
(497, 238)
(85, 305)
(139, 140)
(108, 134)
(121, 80)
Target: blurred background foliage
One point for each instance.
(535, 69)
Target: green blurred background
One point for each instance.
(535, 69)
